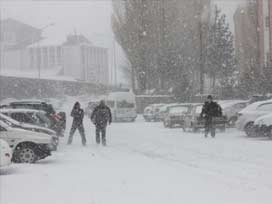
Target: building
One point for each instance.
(264, 10)
(84, 61)
(15, 36)
(246, 37)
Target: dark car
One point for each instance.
(59, 119)
(176, 115)
(194, 122)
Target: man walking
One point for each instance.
(210, 110)
(78, 115)
(101, 117)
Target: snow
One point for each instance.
(146, 163)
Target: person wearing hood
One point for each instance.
(101, 117)
(78, 115)
(210, 110)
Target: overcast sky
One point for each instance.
(91, 18)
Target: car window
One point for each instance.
(265, 107)
(21, 117)
(125, 104)
(240, 105)
(110, 104)
(179, 109)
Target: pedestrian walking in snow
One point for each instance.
(101, 117)
(210, 110)
(78, 115)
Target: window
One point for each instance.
(110, 103)
(21, 117)
(125, 104)
(179, 109)
(265, 107)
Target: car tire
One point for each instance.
(249, 129)
(25, 153)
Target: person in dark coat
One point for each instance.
(101, 117)
(78, 115)
(210, 110)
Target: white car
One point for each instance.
(15, 124)
(232, 108)
(5, 154)
(27, 146)
(263, 125)
(248, 115)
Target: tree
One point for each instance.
(160, 40)
(221, 60)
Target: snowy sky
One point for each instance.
(91, 18)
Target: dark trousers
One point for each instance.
(81, 130)
(209, 127)
(101, 132)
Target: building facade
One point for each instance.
(246, 37)
(264, 10)
(86, 62)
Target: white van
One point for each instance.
(123, 106)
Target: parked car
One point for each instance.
(151, 112)
(194, 122)
(247, 116)
(231, 109)
(59, 118)
(176, 115)
(5, 154)
(15, 124)
(27, 146)
(263, 126)
(34, 117)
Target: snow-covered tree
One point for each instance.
(160, 39)
(220, 59)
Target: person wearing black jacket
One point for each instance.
(210, 110)
(101, 117)
(78, 115)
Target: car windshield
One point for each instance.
(125, 104)
(179, 109)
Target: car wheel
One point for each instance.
(249, 129)
(26, 154)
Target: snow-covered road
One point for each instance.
(146, 164)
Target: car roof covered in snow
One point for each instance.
(255, 105)
(230, 103)
(28, 102)
(19, 110)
